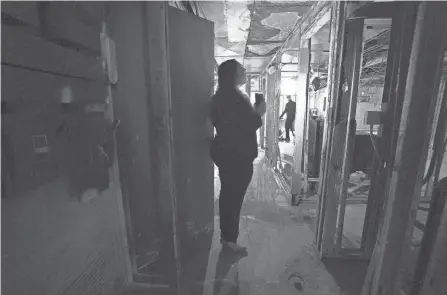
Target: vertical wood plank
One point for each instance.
(303, 67)
(276, 93)
(126, 233)
(248, 86)
(422, 85)
(306, 126)
(438, 124)
(344, 124)
(335, 62)
(262, 129)
(270, 98)
(435, 245)
(427, 255)
(354, 52)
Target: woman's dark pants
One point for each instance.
(235, 178)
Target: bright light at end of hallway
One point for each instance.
(288, 86)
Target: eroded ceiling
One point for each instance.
(252, 31)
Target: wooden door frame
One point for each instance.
(343, 114)
(337, 30)
(319, 16)
(385, 273)
(392, 101)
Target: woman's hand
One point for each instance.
(260, 108)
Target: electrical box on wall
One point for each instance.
(41, 148)
(373, 118)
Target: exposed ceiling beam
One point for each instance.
(313, 12)
(375, 10)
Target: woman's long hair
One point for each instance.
(227, 74)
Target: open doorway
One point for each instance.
(311, 113)
(317, 104)
(376, 38)
(287, 110)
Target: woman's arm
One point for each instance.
(237, 122)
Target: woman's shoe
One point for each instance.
(233, 246)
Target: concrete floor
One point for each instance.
(281, 255)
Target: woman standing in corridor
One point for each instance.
(234, 147)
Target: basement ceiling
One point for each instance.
(252, 31)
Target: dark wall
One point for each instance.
(53, 243)
(150, 230)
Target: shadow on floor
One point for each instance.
(281, 258)
(349, 274)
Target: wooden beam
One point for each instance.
(313, 14)
(431, 269)
(427, 257)
(440, 125)
(353, 52)
(262, 129)
(426, 254)
(24, 11)
(61, 22)
(306, 126)
(303, 59)
(269, 118)
(353, 7)
(20, 48)
(276, 94)
(344, 124)
(337, 36)
(248, 86)
(374, 10)
(322, 18)
(423, 82)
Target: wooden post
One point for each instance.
(306, 125)
(432, 264)
(270, 120)
(399, 51)
(262, 129)
(422, 85)
(427, 257)
(339, 165)
(354, 53)
(336, 48)
(303, 66)
(248, 86)
(126, 233)
(277, 93)
(439, 124)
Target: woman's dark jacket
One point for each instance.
(236, 123)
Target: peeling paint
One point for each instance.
(249, 30)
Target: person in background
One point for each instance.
(234, 147)
(289, 111)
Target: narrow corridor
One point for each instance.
(107, 122)
(282, 258)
